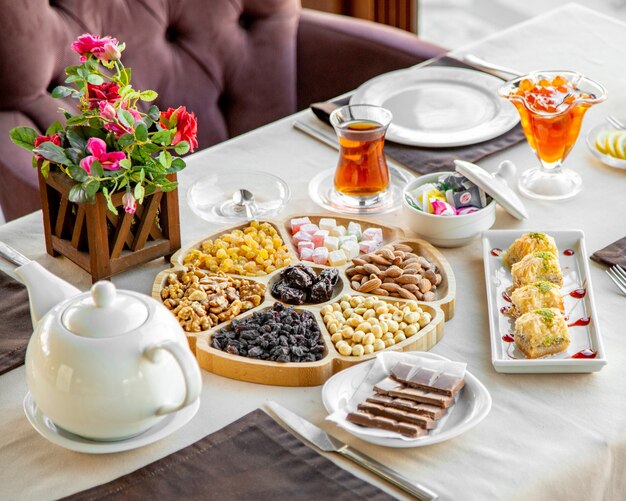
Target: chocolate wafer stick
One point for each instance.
(431, 411)
(398, 415)
(366, 419)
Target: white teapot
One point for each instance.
(106, 364)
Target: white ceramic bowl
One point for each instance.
(446, 231)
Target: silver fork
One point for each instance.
(615, 122)
(618, 275)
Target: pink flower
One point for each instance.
(104, 48)
(186, 125)
(107, 111)
(52, 138)
(98, 149)
(130, 203)
(117, 128)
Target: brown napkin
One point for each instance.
(612, 254)
(15, 324)
(253, 458)
(426, 160)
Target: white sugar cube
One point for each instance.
(351, 249)
(331, 243)
(327, 224)
(347, 238)
(375, 234)
(320, 255)
(309, 228)
(338, 231)
(306, 254)
(368, 246)
(355, 229)
(337, 258)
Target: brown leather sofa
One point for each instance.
(237, 64)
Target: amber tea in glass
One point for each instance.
(362, 176)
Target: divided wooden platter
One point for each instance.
(314, 373)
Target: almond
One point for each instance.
(356, 285)
(407, 279)
(424, 285)
(370, 285)
(429, 296)
(406, 294)
(357, 278)
(391, 287)
(393, 271)
(402, 247)
(380, 292)
(359, 261)
(370, 268)
(387, 254)
(379, 260)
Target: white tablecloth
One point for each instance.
(548, 437)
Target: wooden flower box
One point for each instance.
(100, 242)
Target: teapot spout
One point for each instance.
(45, 289)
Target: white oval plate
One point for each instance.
(47, 429)
(440, 106)
(618, 163)
(472, 406)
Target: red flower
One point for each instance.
(98, 149)
(130, 203)
(107, 92)
(117, 127)
(105, 48)
(52, 138)
(185, 123)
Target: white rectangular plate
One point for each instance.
(585, 339)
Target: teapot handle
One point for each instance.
(189, 367)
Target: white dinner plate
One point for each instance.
(618, 163)
(47, 429)
(440, 106)
(584, 339)
(471, 407)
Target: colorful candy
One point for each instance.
(337, 258)
(297, 223)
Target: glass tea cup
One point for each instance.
(362, 175)
(552, 105)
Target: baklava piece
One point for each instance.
(527, 244)
(537, 267)
(541, 332)
(534, 296)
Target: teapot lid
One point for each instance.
(105, 312)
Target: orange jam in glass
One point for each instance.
(551, 113)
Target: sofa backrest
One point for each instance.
(187, 50)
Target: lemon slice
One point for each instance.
(619, 145)
(610, 142)
(601, 142)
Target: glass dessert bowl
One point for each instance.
(552, 105)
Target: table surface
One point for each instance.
(547, 436)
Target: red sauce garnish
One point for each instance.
(508, 338)
(505, 310)
(580, 322)
(578, 293)
(506, 297)
(568, 252)
(585, 354)
(496, 251)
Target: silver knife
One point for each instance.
(328, 443)
(322, 136)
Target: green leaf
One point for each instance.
(95, 79)
(154, 113)
(123, 183)
(77, 120)
(124, 76)
(91, 187)
(165, 158)
(178, 164)
(54, 128)
(181, 147)
(73, 78)
(53, 153)
(107, 197)
(66, 114)
(62, 91)
(125, 118)
(141, 132)
(45, 168)
(126, 140)
(149, 190)
(77, 173)
(167, 186)
(163, 137)
(24, 137)
(126, 163)
(75, 154)
(150, 148)
(96, 169)
(76, 138)
(78, 194)
(139, 193)
(148, 95)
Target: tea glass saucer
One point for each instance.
(322, 192)
(47, 429)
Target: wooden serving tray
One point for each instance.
(315, 373)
